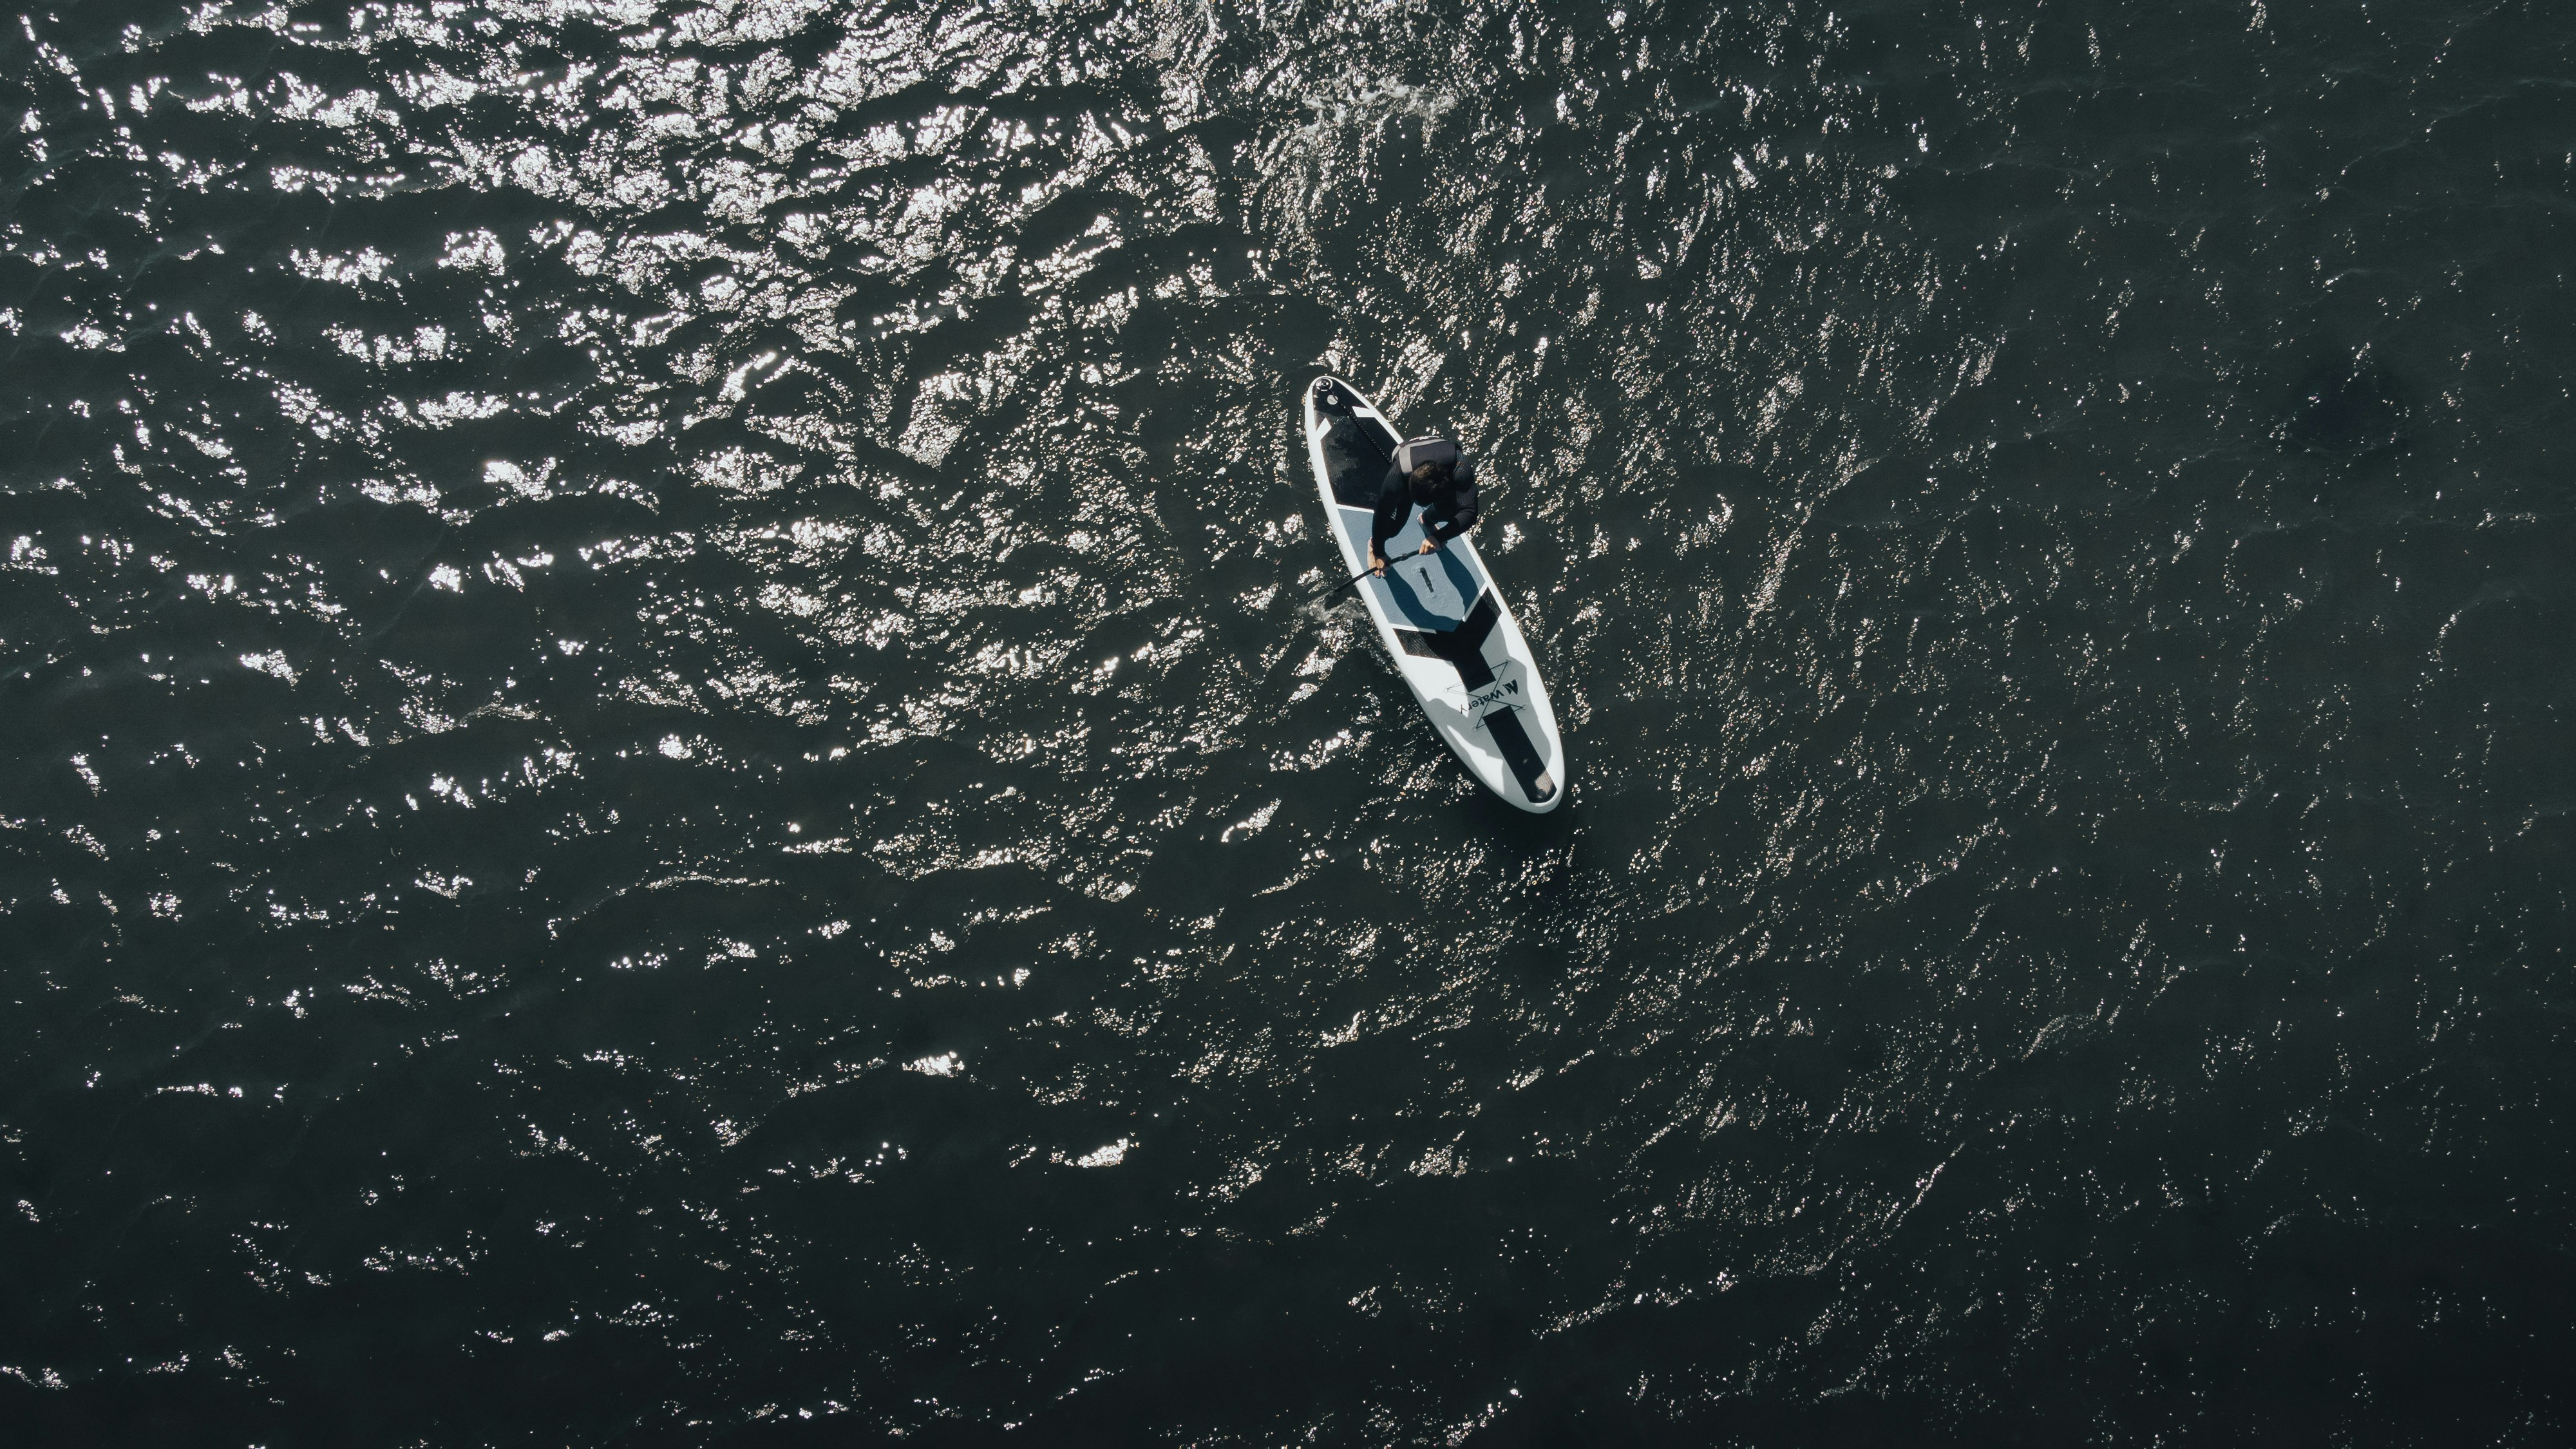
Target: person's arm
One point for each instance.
(1460, 521)
(1394, 506)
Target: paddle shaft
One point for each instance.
(1337, 588)
(1346, 583)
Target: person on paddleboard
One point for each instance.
(1432, 472)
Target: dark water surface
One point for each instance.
(664, 783)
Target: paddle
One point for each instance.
(1327, 593)
(1346, 583)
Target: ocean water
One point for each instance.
(665, 782)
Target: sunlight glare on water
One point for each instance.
(673, 776)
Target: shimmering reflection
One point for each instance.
(670, 776)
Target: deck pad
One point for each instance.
(1431, 591)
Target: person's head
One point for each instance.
(1425, 481)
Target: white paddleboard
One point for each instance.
(1441, 618)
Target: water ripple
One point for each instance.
(675, 779)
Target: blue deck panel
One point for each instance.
(1428, 592)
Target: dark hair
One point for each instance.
(1423, 474)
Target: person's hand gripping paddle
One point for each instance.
(1377, 566)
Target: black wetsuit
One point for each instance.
(1448, 500)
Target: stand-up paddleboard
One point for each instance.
(1442, 620)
